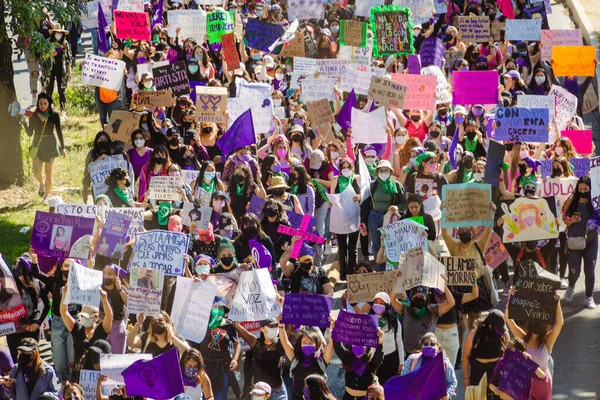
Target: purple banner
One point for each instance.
(307, 309)
(414, 64)
(475, 87)
(516, 373)
(431, 52)
(545, 168)
(256, 206)
(114, 235)
(358, 329)
(54, 234)
(296, 220)
(581, 166)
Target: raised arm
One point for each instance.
(285, 343)
(108, 312)
(558, 325)
(449, 303)
(133, 340)
(249, 337)
(64, 312)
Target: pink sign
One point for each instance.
(421, 91)
(495, 253)
(475, 87)
(582, 140)
(132, 25)
(311, 237)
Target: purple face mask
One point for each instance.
(428, 351)
(358, 351)
(378, 309)
(141, 60)
(309, 349)
(477, 111)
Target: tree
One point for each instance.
(19, 21)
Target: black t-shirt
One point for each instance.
(198, 247)
(153, 348)
(116, 303)
(312, 282)
(81, 342)
(451, 317)
(267, 364)
(217, 342)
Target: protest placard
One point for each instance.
(191, 307)
(256, 205)
(369, 127)
(392, 28)
(432, 52)
(333, 68)
(440, 7)
(459, 270)
(590, 100)
(154, 98)
(299, 9)
(262, 111)
(566, 105)
(160, 249)
(307, 309)
(523, 29)
(132, 25)
(581, 166)
(537, 101)
(211, 104)
(474, 29)
(219, 23)
(356, 329)
(295, 47)
(420, 10)
(309, 44)
(199, 215)
(120, 125)
(131, 5)
(83, 286)
(534, 299)
(314, 89)
(362, 287)
(113, 237)
(303, 234)
(304, 65)
(560, 188)
(88, 379)
(89, 14)
(545, 168)
(401, 236)
(79, 210)
(353, 33)
(53, 235)
(414, 64)
(111, 365)
(595, 177)
(172, 77)
(420, 269)
(345, 212)
(12, 310)
(522, 124)
(260, 35)
(581, 139)
(495, 253)
(558, 37)
(164, 188)
(255, 298)
(230, 51)
(495, 159)
(319, 112)
(528, 219)
(467, 204)
(495, 28)
(420, 94)
(515, 374)
(191, 22)
(387, 92)
(363, 8)
(360, 58)
(145, 291)
(102, 72)
(451, 56)
(352, 78)
(573, 60)
(475, 87)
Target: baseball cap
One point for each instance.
(459, 110)
(225, 221)
(172, 131)
(513, 73)
(316, 159)
(382, 296)
(261, 388)
(419, 290)
(101, 346)
(28, 344)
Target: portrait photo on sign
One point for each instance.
(145, 278)
(61, 237)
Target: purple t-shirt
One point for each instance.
(138, 162)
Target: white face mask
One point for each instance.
(279, 77)
(272, 333)
(148, 84)
(139, 142)
(540, 79)
(478, 176)
(277, 102)
(255, 397)
(370, 160)
(87, 322)
(58, 36)
(400, 140)
(384, 176)
(346, 172)
(559, 151)
(335, 154)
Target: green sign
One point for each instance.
(219, 22)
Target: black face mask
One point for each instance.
(306, 266)
(584, 195)
(449, 38)
(434, 134)
(227, 261)
(104, 146)
(186, 124)
(65, 273)
(442, 111)
(277, 192)
(188, 160)
(522, 169)
(418, 303)
(127, 182)
(207, 130)
(465, 236)
(238, 178)
(174, 142)
(471, 135)
(509, 146)
(415, 118)
(159, 328)
(531, 245)
(25, 359)
(468, 164)
(296, 138)
(271, 212)
(160, 160)
(251, 230)
(556, 171)
(108, 281)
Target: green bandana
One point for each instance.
(371, 169)
(420, 312)
(209, 187)
(467, 176)
(344, 182)
(321, 190)
(470, 145)
(528, 179)
(240, 188)
(381, 322)
(164, 212)
(216, 317)
(388, 186)
(46, 114)
(294, 189)
(122, 193)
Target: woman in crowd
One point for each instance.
(196, 381)
(207, 180)
(242, 188)
(118, 193)
(117, 298)
(301, 186)
(140, 154)
(101, 149)
(392, 344)
(159, 337)
(251, 230)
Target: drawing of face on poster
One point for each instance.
(61, 237)
(308, 285)
(81, 248)
(425, 187)
(528, 219)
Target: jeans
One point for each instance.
(104, 109)
(57, 75)
(62, 348)
(94, 33)
(288, 383)
(347, 252)
(117, 337)
(589, 263)
(320, 216)
(279, 394)
(373, 224)
(448, 339)
(221, 394)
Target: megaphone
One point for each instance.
(15, 109)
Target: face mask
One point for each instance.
(186, 124)
(418, 303)
(108, 281)
(199, 57)
(139, 143)
(584, 195)
(141, 60)
(431, 168)
(104, 146)
(193, 69)
(188, 160)
(346, 172)
(279, 77)
(459, 119)
(464, 68)
(281, 153)
(370, 160)
(557, 171)
(272, 333)
(334, 154)
(207, 130)
(309, 349)
(465, 236)
(531, 245)
(358, 351)
(148, 84)
(478, 176)
(471, 135)
(271, 212)
(25, 359)
(257, 56)
(413, 162)
(87, 322)
(238, 178)
(540, 80)
(442, 111)
(276, 102)
(160, 160)
(65, 273)
(159, 328)
(434, 134)
(523, 154)
(297, 138)
(529, 190)
(255, 397)
(428, 351)
(202, 269)
(306, 266)
(227, 261)
(468, 164)
(448, 38)
(58, 36)
(384, 176)
(191, 372)
(174, 142)
(415, 118)
(559, 151)
(522, 169)
(477, 111)
(251, 230)
(209, 175)
(378, 308)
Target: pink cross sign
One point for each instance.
(302, 233)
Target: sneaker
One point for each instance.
(328, 250)
(569, 294)
(564, 284)
(589, 303)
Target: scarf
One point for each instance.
(467, 176)
(388, 186)
(216, 317)
(470, 145)
(209, 187)
(189, 382)
(343, 182)
(240, 188)
(294, 189)
(358, 366)
(122, 193)
(420, 313)
(371, 169)
(528, 179)
(164, 212)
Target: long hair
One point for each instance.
(200, 178)
(576, 196)
(311, 333)
(317, 386)
(251, 218)
(265, 169)
(416, 198)
(303, 178)
(36, 362)
(564, 163)
(567, 145)
(404, 150)
(153, 336)
(138, 132)
(541, 332)
(115, 175)
(248, 181)
(70, 389)
(159, 149)
(485, 335)
(96, 149)
(533, 84)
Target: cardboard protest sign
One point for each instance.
(12, 311)
(298, 9)
(522, 124)
(537, 101)
(360, 58)
(132, 25)
(230, 51)
(523, 29)
(145, 291)
(566, 105)
(590, 100)
(120, 125)
(474, 29)
(91, 211)
(459, 270)
(528, 219)
(79, 210)
(83, 286)
(369, 127)
(102, 72)
(360, 81)
(420, 269)
(558, 37)
(260, 35)
(466, 204)
(112, 365)
(191, 22)
(199, 215)
(154, 98)
(255, 298)
(362, 287)
(164, 188)
(162, 250)
(595, 177)
(307, 309)
(421, 91)
(516, 374)
(345, 212)
(495, 253)
(560, 188)
(172, 77)
(581, 166)
(113, 237)
(191, 307)
(495, 28)
(211, 104)
(495, 159)
(432, 52)
(356, 329)
(53, 235)
(581, 139)
(451, 56)
(401, 236)
(295, 47)
(256, 205)
(387, 92)
(573, 60)
(353, 33)
(314, 89)
(475, 87)
(534, 299)
(392, 28)
(188, 176)
(319, 112)
(219, 23)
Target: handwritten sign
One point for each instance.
(102, 72)
(345, 212)
(145, 291)
(522, 124)
(154, 98)
(387, 92)
(101, 169)
(88, 379)
(314, 89)
(353, 33)
(537, 101)
(132, 25)
(432, 52)
(566, 105)
(595, 177)
(230, 51)
(131, 5)
(295, 47)
(120, 125)
(401, 236)
(581, 139)
(459, 270)
(191, 308)
(362, 287)
(516, 374)
(474, 28)
(560, 188)
(360, 81)
(495, 28)
(369, 127)
(298, 9)
(475, 87)
(162, 250)
(523, 29)
(260, 35)
(255, 298)
(420, 10)
(421, 91)
(199, 215)
(319, 112)
(307, 309)
(262, 111)
(466, 204)
(211, 104)
(356, 329)
(219, 23)
(392, 30)
(191, 22)
(559, 37)
(495, 253)
(420, 269)
(331, 67)
(172, 77)
(574, 60)
(164, 188)
(528, 219)
(83, 286)
(581, 166)
(534, 299)
(54, 235)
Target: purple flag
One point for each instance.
(307, 309)
(159, 378)
(425, 383)
(240, 134)
(414, 64)
(102, 40)
(158, 13)
(452, 148)
(344, 117)
(260, 253)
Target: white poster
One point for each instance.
(145, 291)
(566, 105)
(83, 286)
(112, 365)
(191, 308)
(360, 81)
(102, 72)
(345, 212)
(255, 298)
(191, 22)
(369, 127)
